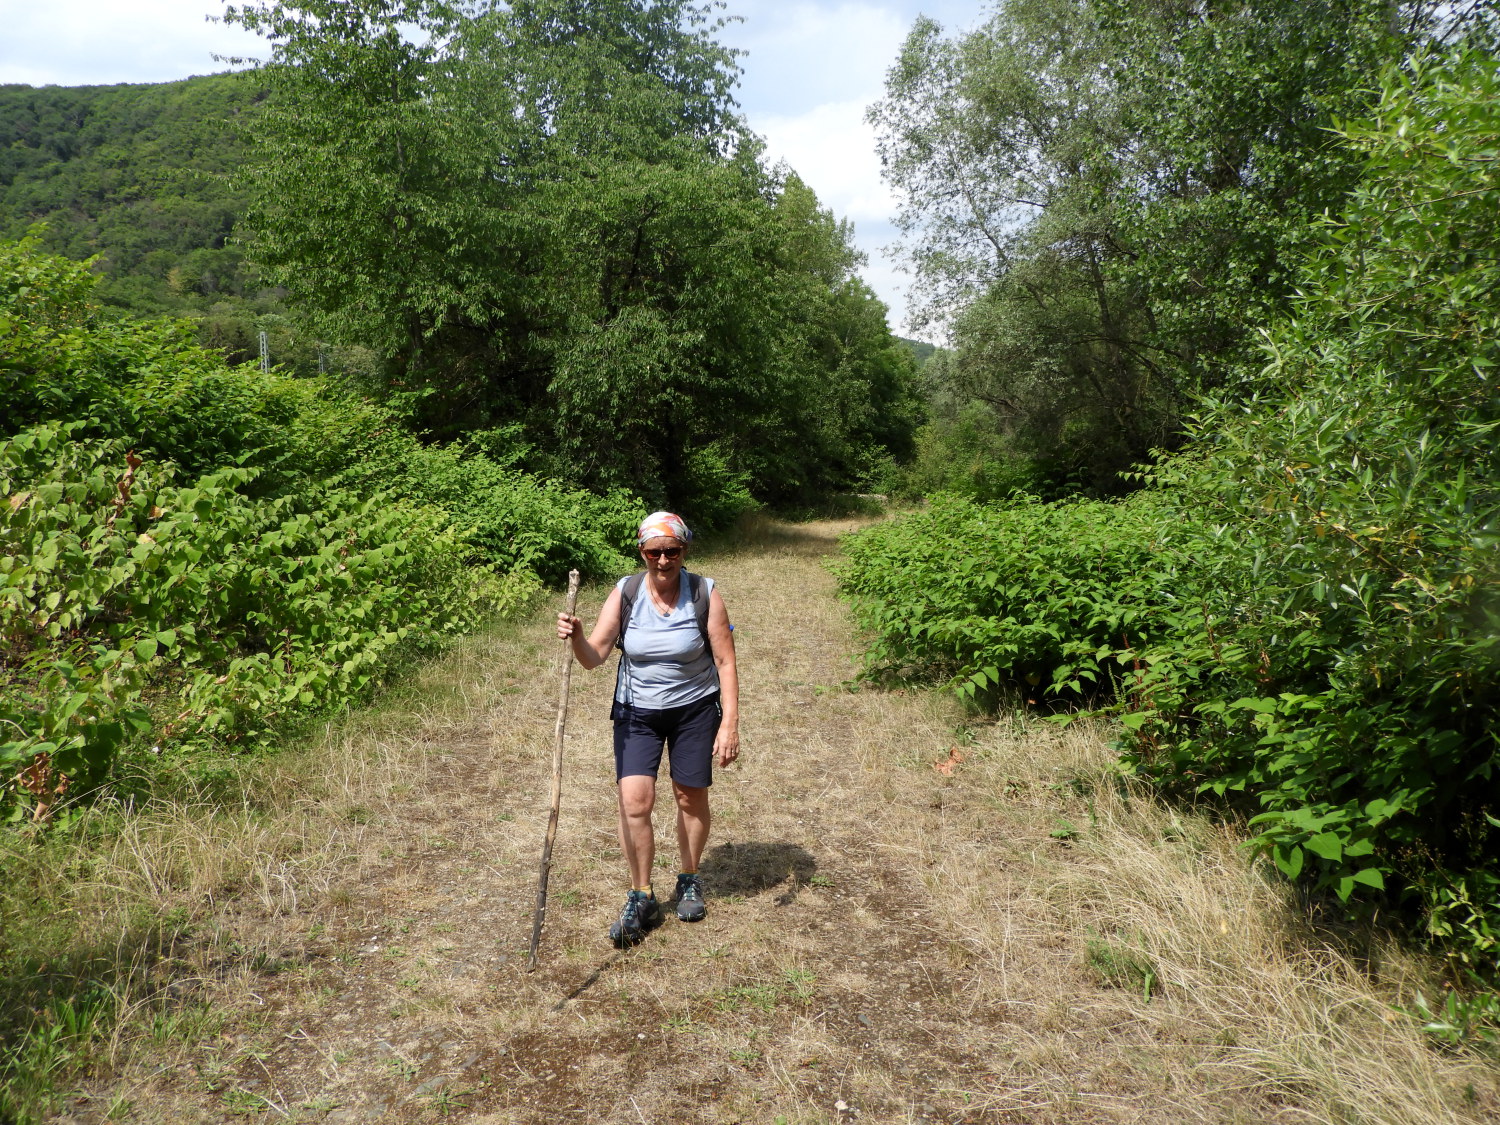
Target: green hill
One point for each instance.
(921, 351)
(137, 175)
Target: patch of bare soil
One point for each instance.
(887, 940)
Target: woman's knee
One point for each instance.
(690, 798)
(637, 795)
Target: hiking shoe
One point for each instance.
(690, 906)
(641, 913)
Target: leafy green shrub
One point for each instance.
(1350, 693)
(1306, 609)
(133, 605)
(149, 383)
(1044, 595)
(199, 553)
(515, 521)
(43, 329)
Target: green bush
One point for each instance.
(149, 384)
(1303, 616)
(1032, 595)
(513, 520)
(1349, 694)
(130, 605)
(197, 554)
(965, 455)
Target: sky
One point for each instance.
(811, 68)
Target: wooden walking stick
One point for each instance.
(557, 749)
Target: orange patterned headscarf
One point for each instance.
(663, 525)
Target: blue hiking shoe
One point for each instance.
(641, 913)
(690, 906)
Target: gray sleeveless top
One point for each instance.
(665, 662)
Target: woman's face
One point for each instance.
(663, 554)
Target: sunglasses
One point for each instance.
(661, 552)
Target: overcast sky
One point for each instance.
(812, 68)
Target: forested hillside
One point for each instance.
(139, 177)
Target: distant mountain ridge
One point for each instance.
(138, 175)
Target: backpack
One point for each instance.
(697, 594)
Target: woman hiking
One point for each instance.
(677, 689)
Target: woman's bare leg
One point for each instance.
(637, 796)
(693, 821)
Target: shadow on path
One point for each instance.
(750, 869)
(732, 869)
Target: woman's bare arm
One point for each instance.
(727, 742)
(593, 650)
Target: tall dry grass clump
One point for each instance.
(109, 930)
(1201, 950)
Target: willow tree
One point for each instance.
(1102, 200)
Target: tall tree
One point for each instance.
(1102, 198)
(407, 176)
(547, 215)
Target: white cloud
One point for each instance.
(810, 72)
(806, 54)
(94, 43)
(833, 150)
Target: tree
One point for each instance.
(546, 215)
(1347, 687)
(1104, 199)
(1005, 143)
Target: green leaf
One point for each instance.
(1327, 845)
(1289, 860)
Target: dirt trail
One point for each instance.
(877, 945)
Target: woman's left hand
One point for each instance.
(727, 745)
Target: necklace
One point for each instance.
(662, 605)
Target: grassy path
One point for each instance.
(909, 921)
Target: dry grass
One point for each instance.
(1011, 941)
(1248, 1002)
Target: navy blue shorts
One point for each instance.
(687, 732)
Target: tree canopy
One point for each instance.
(549, 221)
(1104, 200)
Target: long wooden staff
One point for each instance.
(557, 749)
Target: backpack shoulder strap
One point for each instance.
(628, 593)
(698, 593)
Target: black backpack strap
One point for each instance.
(698, 593)
(628, 593)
